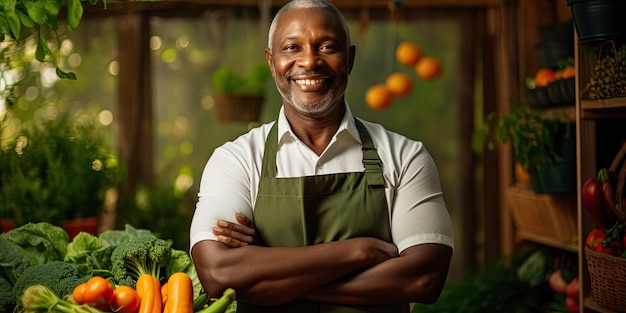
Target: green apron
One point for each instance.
(301, 211)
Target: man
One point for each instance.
(320, 211)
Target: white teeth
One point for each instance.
(309, 81)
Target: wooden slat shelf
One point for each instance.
(590, 304)
(546, 241)
(614, 107)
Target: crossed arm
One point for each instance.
(355, 271)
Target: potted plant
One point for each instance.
(238, 97)
(57, 170)
(597, 21)
(543, 145)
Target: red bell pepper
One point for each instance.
(595, 204)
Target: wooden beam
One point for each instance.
(134, 105)
(195, 7)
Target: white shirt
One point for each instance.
(417, 211)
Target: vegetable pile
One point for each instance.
(123, 271)
(600, 201)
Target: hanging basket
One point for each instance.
(231, 108)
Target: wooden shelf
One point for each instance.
(547, 241)
(590, 304)
(593, 109)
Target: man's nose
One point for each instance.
(309, 58)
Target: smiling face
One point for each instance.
(310, 59)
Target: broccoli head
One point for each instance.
(7, 300)
(138, 256)
(61, 277)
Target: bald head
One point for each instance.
(308, 4)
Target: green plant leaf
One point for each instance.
(14, 24)
(65, 75)
(74, 13)
(25, 19)
(43, 51)
(51, 7)
(36, 11)
(4, 25)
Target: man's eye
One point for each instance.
(327, 48)
(291, 47)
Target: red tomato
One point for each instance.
(98, 291)
(596, 236)
(125, 300)
(572, 289)
(557, 283)
(572, 305)
(79, 294)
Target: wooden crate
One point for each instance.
(552, 216)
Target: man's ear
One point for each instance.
(270, 60)
(351, 54)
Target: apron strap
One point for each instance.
(371, 160)
(268, 168)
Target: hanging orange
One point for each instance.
(428, 68)
(400, 84)
(378, 97)
(408, 53)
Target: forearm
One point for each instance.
(413, 277)
(270, 276)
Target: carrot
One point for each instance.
(179, 293)
(149, 291)
(164, 298)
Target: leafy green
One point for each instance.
(41, 242)
(13, 261)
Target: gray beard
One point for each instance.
(309, 108)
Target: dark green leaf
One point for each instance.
(8, 5)
(74, 13)
(14, 24)
(51, 7)
(53, 23)
(43, 51)
(4, 25)
(36, 10)
(26, 20)
(65, 75)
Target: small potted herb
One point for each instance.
(544, 146)
(240, 97)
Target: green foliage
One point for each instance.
(536, 138)
(229, 81)
(141, 255)
(39, 18)
(55, 170)
(162, 208)
(61, 277)
(502, 288)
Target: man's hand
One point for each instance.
(237, 235)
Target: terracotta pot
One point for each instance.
(73, 227)
(238, 108)
(6, 224)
